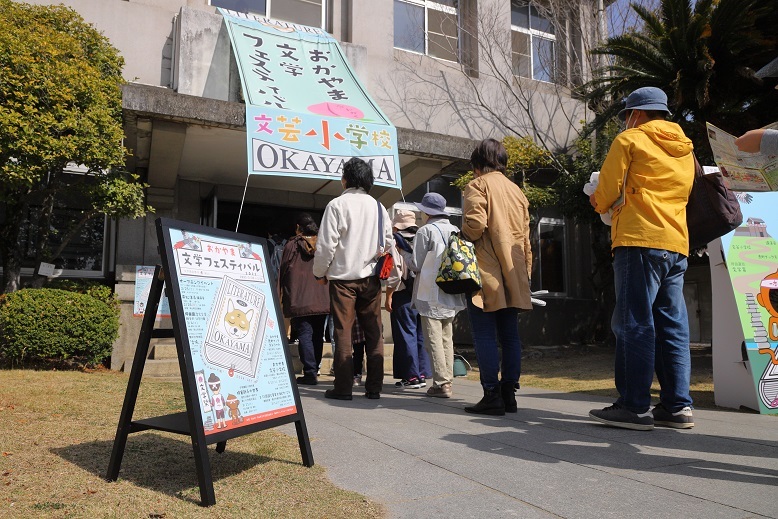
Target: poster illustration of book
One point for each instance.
(236, 329)
(237, 350)
(752, 261)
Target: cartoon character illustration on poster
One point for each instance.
(190, 242)
(767, 386)
(768, 298)
(236, 321)
(244, 250)
(217, 400)
(236, 328)
(232, 404)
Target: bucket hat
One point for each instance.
(646, 98)
(769, 70)
(403, 219)
(432, 203)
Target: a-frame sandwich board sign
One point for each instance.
(232, 350)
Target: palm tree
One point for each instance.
(703, 56)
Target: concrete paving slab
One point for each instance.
(421, 456)
(735, 487)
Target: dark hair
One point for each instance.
(308, 226)
(656, 114)
(489, 155)
(358, 173)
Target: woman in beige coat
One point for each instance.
(496, 220)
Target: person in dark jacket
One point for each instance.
(304, 300)
(411, 363)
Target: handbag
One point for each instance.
(461, 366)
(458, 272)
(712, 210)
(385, 261)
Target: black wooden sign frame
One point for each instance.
(190, 422)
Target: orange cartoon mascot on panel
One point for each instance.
(768, 298)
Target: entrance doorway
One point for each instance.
(264, 221)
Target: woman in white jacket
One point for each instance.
(437, 309)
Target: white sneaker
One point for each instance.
(408, 384)
(683, 419)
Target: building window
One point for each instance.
(303, 12)
(428, 27)
(440, 184)
(85, 253)
(533, 42)
(549, 257)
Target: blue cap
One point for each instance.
(646, 98)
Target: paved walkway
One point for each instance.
(426, 457)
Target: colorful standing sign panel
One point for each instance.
(752, 260)
(306, 111)
(230, 316)
(235, 366)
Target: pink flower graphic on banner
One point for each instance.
(336, 110)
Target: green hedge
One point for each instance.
(44, 324)
(88, 287)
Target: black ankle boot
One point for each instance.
(490, 404)
(508, 393)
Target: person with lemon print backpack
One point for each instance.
(436, 308)
(495, 217)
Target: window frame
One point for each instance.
(269, 12)
(533, 34)
(537, 275)
(108, 242)
(428, 5)
(454, 212)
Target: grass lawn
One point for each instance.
(57, 430)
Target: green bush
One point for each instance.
(44, 324)
(88, 287)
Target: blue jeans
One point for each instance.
(331, 331)
(651, 328)
(410, 359)
(486, 327)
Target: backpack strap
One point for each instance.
(440, 231)
(380, 227)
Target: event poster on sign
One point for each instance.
(751, 253)
(306, 110)
(144, 274)
(237, 352)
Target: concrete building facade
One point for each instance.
(448, 73)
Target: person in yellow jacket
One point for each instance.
(646, 179)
